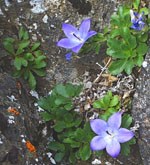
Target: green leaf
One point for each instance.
(59, 156)
(142, 48)
(60, 100)
(9, 40)
(18, 63)
(23, 44)
(46, 116)
(29, 56)
(115, 20)
(143, 37)
(68, 106)
(39, 72)
(45, 103)
(136, 4)
(85, 152)
(56, 146)
(72, 157)
(9, 46)
(106, 100)
(32, 81)
(138, 60)
(35, 46)
(24, 62)
(19, 51)
(125, 147)
(126, 121)
(125, 33)
(26, 35)
(114, 44)
(26, 74)
(72, 143)
(21, 33)
(145, 10)
(39, 62)
(97, 104)
(59, 126)
(129, 66)
(61, 90)
(117, 66)
(114, 101)
(80, 135)
(38, 53)
(132, 42)
(115, 32)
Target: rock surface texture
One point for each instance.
(43, 19)
(141, 110)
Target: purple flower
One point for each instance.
(76, 38)
(137, 20)
(109, 135)
(68, 56)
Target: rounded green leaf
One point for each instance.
(23, 44)
(85, 152)
(35, 46)
(32, 81)
(117, 66)
(114, 101)
(59, 156)
(129, 66)
(142, 48)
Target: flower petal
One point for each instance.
(90, 34)
(115, 120)
(69, 30)
(97, 143)
(77, 48)
(113, 148)
(84, 27)
(66, 43)
(98, 126)
(68, 56)
(132, 15)
(124, 135)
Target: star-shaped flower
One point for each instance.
(109, 135)
(76, 38)
(136, 20)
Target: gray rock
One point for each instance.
(141, 111)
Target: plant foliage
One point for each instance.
(108, 105)
(28, 60)
(72, 133)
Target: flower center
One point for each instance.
(80, 39)
(111, 134)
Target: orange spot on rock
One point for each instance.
(30, 146)
(13, 111)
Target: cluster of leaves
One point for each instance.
(127, 47)
(109, 104)
(73, 135)
(27, 59)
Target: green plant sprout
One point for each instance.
(107, 105)
(28, 60)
